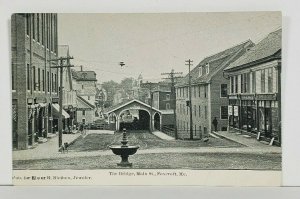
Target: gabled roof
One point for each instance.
(125, 103)
(216, 63)
(266, 48)
(85, 102)
(84, 75)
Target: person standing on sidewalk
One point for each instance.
(215, 123)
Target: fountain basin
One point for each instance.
(124, 152)
(121, 150)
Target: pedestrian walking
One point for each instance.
(215, 123)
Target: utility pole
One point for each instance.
(172, 77)
(149, 85)
(61, 66)
(189, 63)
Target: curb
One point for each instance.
(227, 138)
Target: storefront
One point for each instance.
(255, 113)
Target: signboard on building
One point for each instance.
(236, 110)
(55, 100)
(40, 100)
(229, 110)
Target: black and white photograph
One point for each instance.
(155, 92)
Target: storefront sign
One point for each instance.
(247, 97)
(232, 97)
(229, 110)
(40, 100)
(55, 100)
(266, 97)
(236, 110)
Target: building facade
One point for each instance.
(34, 82)
(208, 94)
(254, 99)
(85, 85)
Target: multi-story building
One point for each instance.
(34, 82)
(208, 94)
(254, 99)
(85, 85)
(69, 102)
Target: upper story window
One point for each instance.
(167, 96)
(263, 81)
(207, 68)
(270, 80)
(205, 91)
(223, 90)
(236, 84)
(231, 85)
(167, 106)
(253, 82)
(28, 24)
(200, 71)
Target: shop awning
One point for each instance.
(56, 112)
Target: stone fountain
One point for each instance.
(124, 151)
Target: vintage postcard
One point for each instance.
(147, 98)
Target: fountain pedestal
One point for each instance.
(124, 151)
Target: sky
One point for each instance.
(151, 44)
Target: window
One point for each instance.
(187, 110)
(83, 121)
(199, 111)
(270, 80)
(236, 84)
(33, 26)
(167, 96)
(38, 27)
(28, 77)
(167, 106)
(242, 83)
(200, 71)
(224, 112)
(199, 90)
(223, 90)
(28, 24)
(205, 91)
(207, 68)
(39, 80)
(56, 83)
(48, 81)
(232, 85)
(52, 82)
(263, 83)
(195, 130)
(253, 82)
(195, 110)
(43, 80)
(34, 82)
(200, 132)
(43, 28)
(205, 112)
(83, 112)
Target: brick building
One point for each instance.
(254, 99)
(34, 82)
(209, 94)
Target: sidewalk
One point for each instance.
(245, 140)
(162, 135)
(45, 150)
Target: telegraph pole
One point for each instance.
(172, 77)
(61, 66)
(149, 85)
(189, 63)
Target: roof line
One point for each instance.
(133, 100)
(82, 99)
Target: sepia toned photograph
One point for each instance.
(175, 91)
